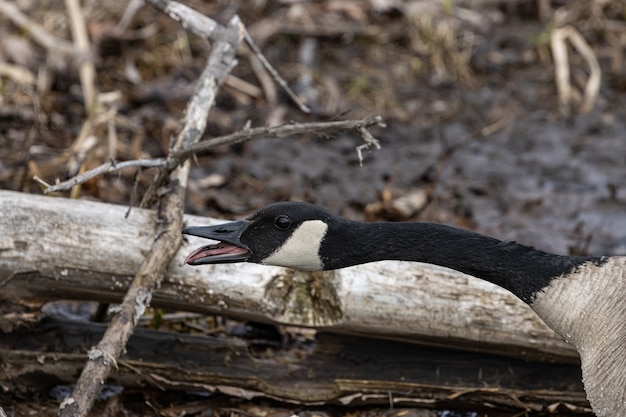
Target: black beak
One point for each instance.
(230, 249)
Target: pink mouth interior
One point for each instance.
(214, 250)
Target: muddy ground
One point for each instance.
(474, 129)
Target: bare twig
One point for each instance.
(278, 132)
(370, 142)
(303, 107)
(206, 91)
(177, 157)
(107, 167)
(104, 356)
(267, 84)
(197, 23)
(218, 67)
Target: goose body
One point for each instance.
(581, 298)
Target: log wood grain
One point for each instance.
(56, 248)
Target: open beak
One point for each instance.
(228, 250)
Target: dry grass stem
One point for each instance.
(36, 31)
(265, 79)
(562, 68)
(131, 10)
(87, 72)
(18, 74)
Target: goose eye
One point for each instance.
(282, 222)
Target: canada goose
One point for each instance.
(581, 298)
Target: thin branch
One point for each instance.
(107, 167)
(169, 222)
(370, 142)
(195, 22)
(278, 132)
(206, 90)
(303, 107)
(218, 67)
(264, 78)
(178, 157)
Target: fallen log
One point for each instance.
(332, 370)
(55, 248)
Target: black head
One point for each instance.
(283, 234)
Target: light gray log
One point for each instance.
(56, 248)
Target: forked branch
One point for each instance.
(177, 157)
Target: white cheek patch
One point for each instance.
(301, 250)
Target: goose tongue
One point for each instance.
(229, 249)
(213, 253)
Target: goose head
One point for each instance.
(283, 234)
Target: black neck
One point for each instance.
(520, 269)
